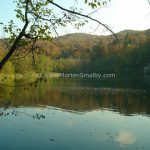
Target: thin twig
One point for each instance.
(85, 16)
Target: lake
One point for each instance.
(65, 114)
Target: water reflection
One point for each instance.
(125, 138)
(74, 115)
(80, 97)
(61, 130)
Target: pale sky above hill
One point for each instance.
(119, 15)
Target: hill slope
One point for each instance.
(81, 52)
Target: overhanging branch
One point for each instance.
(85, 16)
(15, 44)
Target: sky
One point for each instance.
(118, 15)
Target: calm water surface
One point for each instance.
(75, 115)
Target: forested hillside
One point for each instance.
(88, 53)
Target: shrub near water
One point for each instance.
(7, 76)
(24, 70)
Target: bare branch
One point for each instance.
(28, 52)
(85, 16)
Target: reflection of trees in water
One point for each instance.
(7, 111)
(77, 98)
(84, 99)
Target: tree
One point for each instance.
(40, 22)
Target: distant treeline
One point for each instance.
(90, 53)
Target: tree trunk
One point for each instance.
(14, 46)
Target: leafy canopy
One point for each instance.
(41, 21)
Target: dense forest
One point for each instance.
(87, 53)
